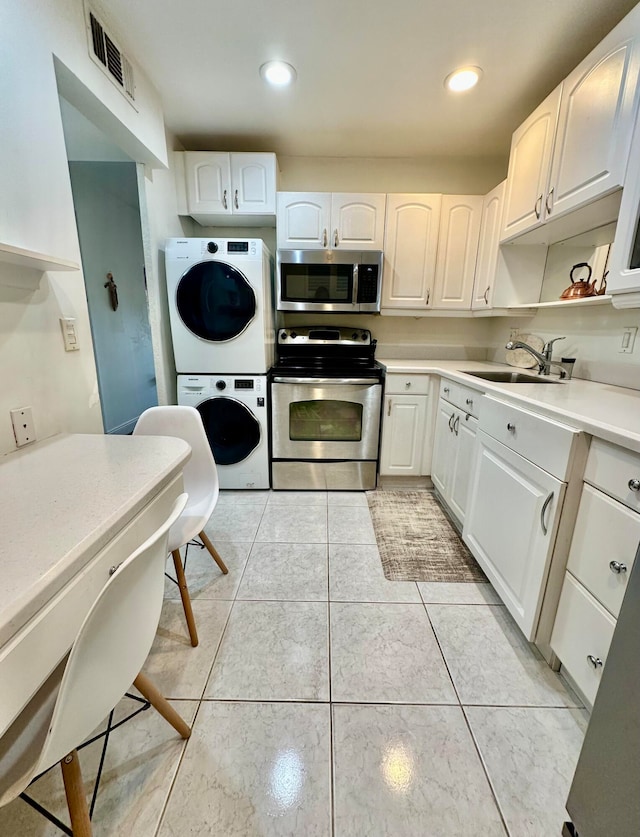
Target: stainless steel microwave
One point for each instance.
(329, 280)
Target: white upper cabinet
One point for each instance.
(304, 220)
(357, 221)
(595, 125)
(227, 189)
(488, 245)
(410, 247)
(460, 219)
(574, 148)
(529, 162)
(338, 221)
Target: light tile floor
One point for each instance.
(329, 701)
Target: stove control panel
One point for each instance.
(324, 336)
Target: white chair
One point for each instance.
(107, 655)
(200, 482)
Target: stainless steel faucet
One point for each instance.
(544, 358)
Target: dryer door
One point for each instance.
(215, 301)
(232, 429)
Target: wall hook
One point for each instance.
(113, 291)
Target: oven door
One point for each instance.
(325, 418)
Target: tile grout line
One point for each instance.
(332, 771)
(206, 683)
(468, 725)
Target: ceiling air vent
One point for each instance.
(108, 55)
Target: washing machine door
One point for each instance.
(232, 429)
(215, 301)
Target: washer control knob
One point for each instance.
(354, 336)
(363, 335)
(221, 384)
(283, 335)
(212, 247)
(293, 335)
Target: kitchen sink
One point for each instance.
(512, 378)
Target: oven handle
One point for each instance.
(323, 381)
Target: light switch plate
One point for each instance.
(68, 326)
(628, 339)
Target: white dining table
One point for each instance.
(72, 507)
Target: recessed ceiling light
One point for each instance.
(278, 73)
(463, 79)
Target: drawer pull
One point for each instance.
(511, 427)
(596, 662)
(617, 567)
(542, 511)
(469, 401)
(446, 390)
(634, 484)
(407, 385)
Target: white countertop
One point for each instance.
(63, 499)
(610, 412)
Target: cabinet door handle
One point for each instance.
(549, 202)
(428, 296)
(324, 237)
(224, 199)
(485, 295)
(456, 425)
(537, 207)
(542, 511)
(335, 238)
(617, 567)
(389, 407)
(634, 485)
(235, 200)
(450, 420)
(596, 662)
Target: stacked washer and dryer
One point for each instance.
(221, 314)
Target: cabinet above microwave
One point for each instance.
(329, 281)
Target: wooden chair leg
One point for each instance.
(214, 552)
(76, 797)
(184, 595)
(149, 690)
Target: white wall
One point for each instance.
(450, 175)
(36, 209)
(593, 338)
(159, 194)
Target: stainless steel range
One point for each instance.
(326, 400)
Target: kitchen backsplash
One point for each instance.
(593, 337)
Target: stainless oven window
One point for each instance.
(316, 282)
(327, 420)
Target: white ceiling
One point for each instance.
(370, 73)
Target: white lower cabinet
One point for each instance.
(454, 445)
(604, 546)
(582, 635)
(510, 527)
(521, 466)
(404, 424)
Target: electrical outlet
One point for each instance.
(628, 339)
(514, 333)
(23, 428)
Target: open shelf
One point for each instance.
(34, 260)
(566, 303)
